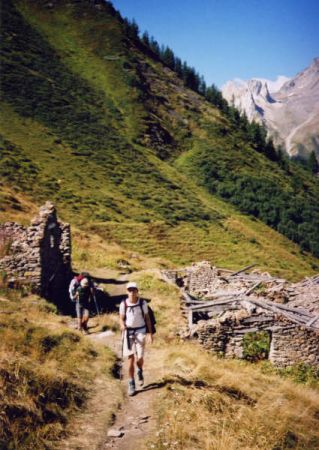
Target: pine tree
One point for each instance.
(270, 150)
(132, 29)
(154, 46)
(178, 67)
(312, 163)
(168, 57)
(214, 96)
(146, 39)
(202, 86)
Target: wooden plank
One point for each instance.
(189, 299)
(219, 269)
(216, 309)
(224, 279)
(249, 291)
(312, 321)
(194, 302)
(243, 270)
(207, 304)
(256, 277)
(190, 318)
(225, 294)
(273, 308)
(299, 311)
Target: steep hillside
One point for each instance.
(91, 120)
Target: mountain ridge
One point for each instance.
(290, 113)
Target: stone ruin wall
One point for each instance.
(39, 255)
(196, 279)
(290, 343)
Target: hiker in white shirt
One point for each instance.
(135, 324)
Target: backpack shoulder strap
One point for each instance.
(125, 308)
(141, 302)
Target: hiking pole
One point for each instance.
(96, 305)
(122, 356)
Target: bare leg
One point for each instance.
(85, 323)
(131, 366)
(140, 363)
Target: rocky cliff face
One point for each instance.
(289, 108)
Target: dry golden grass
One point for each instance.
(47, 373)
(203, 402)
(216, 404)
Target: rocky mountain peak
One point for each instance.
(289, 108)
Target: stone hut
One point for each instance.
(223, 307)
(38, 256)
(290, 342)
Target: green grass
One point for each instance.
(226, 244)
(99, 136)
(282, 196)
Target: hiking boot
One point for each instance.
(131, 388)
(140, 376)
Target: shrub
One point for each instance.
(256, 345)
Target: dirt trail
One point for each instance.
(134, 420)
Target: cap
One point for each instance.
(131, 284)
(84, 282)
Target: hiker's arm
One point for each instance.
(148, 323)
(122, 322)
(149, 328)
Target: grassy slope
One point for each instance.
(46, 373)
(205, 402)
(78, 131)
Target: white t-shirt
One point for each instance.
(134, 316)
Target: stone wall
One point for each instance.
(198, 279)
(289, 343)
(40, 255)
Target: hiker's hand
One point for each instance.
(122, 327)
(150, 338)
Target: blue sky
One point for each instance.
(227, 39)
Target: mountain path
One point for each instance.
(134, 420)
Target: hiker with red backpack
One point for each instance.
(82, 293)
(83, 300)
(135, 323)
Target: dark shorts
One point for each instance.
(81, 311)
